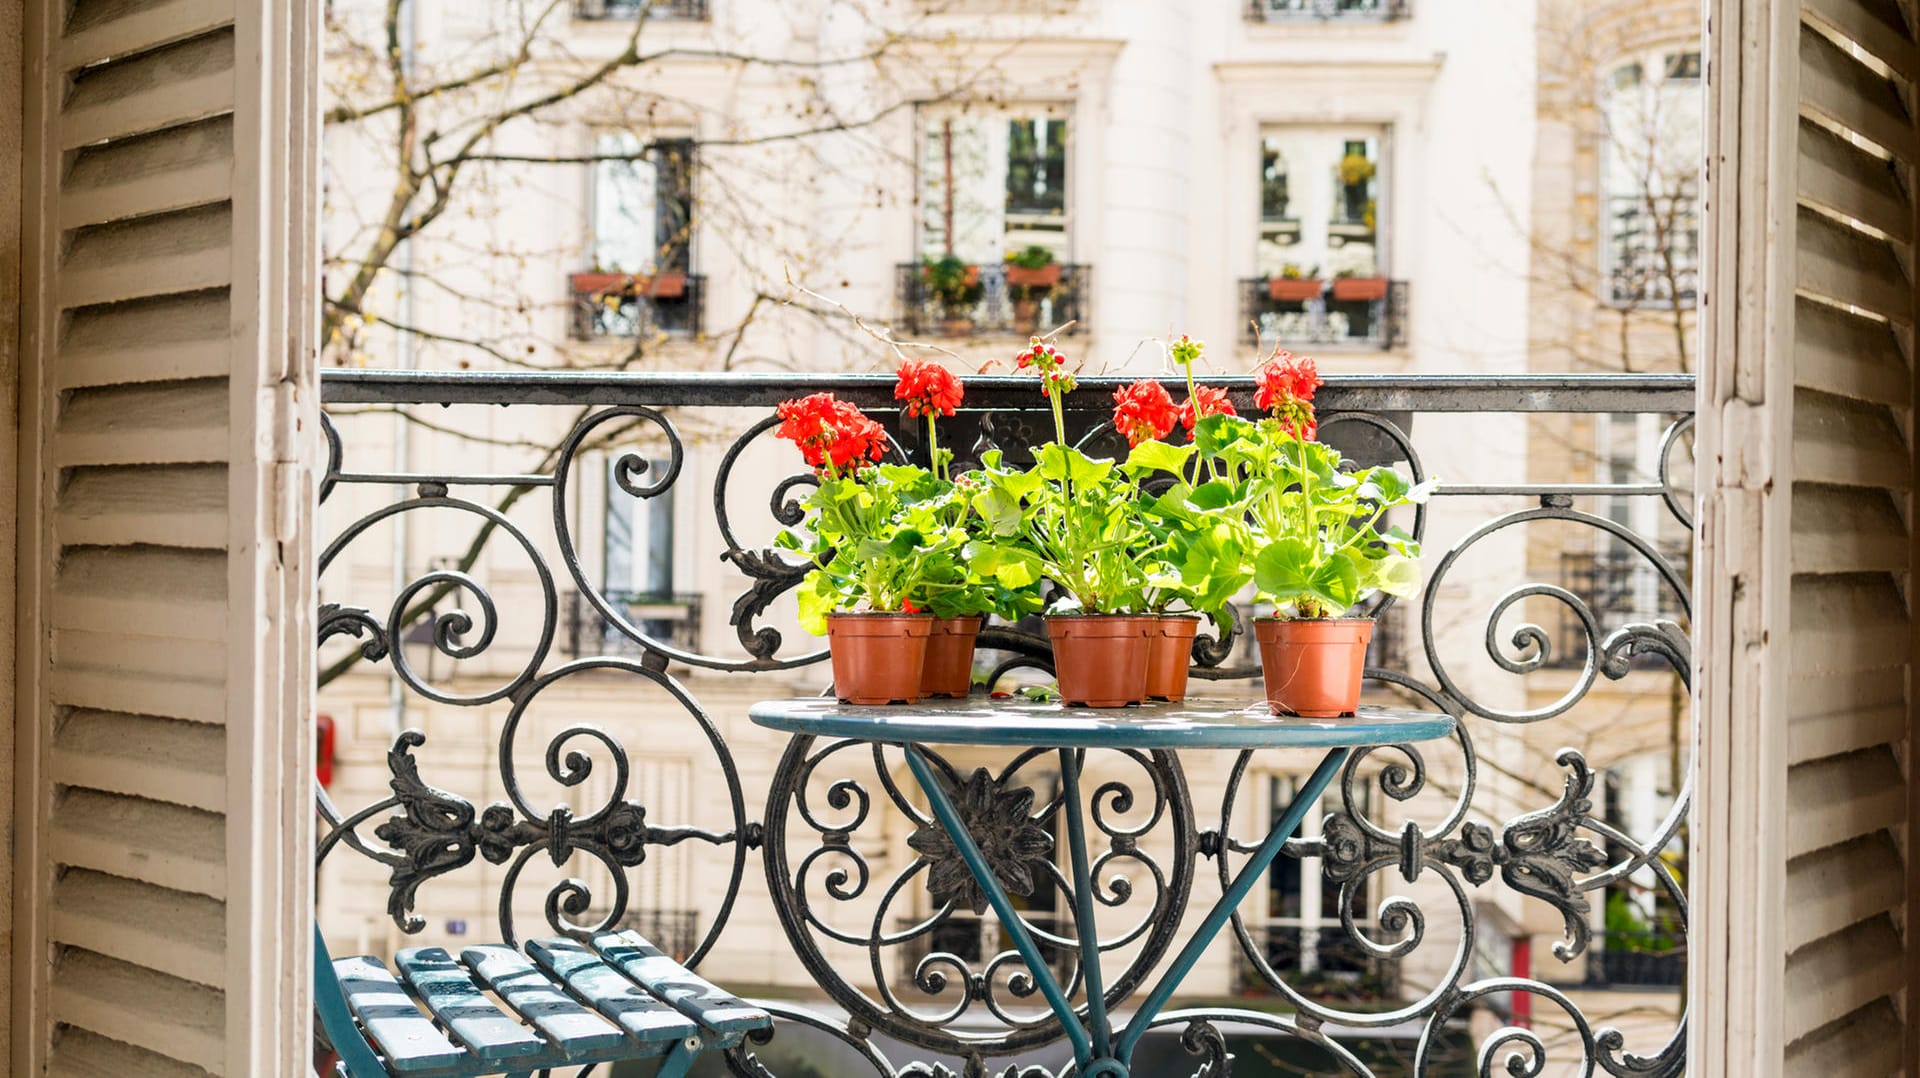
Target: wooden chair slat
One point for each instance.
(627, 1004)
(393, 1020)
(689, 993)
(455, 999)
(583, 1035)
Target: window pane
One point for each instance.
(624, 189)
(1321, 194)
(991, 183)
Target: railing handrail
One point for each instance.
(1520, 392)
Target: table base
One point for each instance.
(1096, 1051)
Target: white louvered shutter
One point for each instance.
(1803, 963)
(166, 408)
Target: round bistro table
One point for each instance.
(1195, 724)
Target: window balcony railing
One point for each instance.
(993, 306)
(1360, 312)
(674, 794)
(623, 306)
(1637, 960)
(674, 618)
(1653, 251)
(1322, 962)
(678, 10)
(1621, 581)
(1328, 10)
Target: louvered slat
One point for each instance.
(170, 846)
(1852, 268)
(183, 251)
(1842, 798)
(158, 759)
(177, 505)
(1876, 25)
(85, 1054)
(180, 934)
(161, 88)
(102, 29)
(1864, 1044)
(1845, 711)
(159, 173)
(1839, 887)
(139, 674)
(1847, 530)
(1849, 355)
(1841, 974)
(154, 423)
(1845, 93)
(1844, 623)
(165, 338)
(102, 589)
(141, 1007)
(1839, 442)
(1846, 180)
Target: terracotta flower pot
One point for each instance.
(949, 667)
(1313, 668)
(1360, 288)
(1101, 659)
(1026, 317)
(878, 658)
(1290, 290)
(1169, 654)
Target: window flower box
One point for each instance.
(1360, 288)
(1294, 290)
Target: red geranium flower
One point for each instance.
(928, 389)
(1143, 411)
(1284, 378)
(830, 431)
(1206, 401)
(1045, 358)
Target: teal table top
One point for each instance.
(1194, 724)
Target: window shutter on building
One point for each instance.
(167, 408)
(1807, 409)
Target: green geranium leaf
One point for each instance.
(1156, 456)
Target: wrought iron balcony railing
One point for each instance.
(993, 305)
(1448, 855)
(687, 10)
(622, 306)
(1322, 962)
(674, 618)
(1308, 10)
(1363, 312)
(1621, 581)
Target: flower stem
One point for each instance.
(933, 447)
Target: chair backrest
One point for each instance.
(331, 1001)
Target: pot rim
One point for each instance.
(1076, 617)
(1276, 619)
(877, 614)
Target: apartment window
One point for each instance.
(993, 181)
(1320, 274)
(1296, 10)
(642, 220)
(1652, 148)
(642, 574)
(642, 204)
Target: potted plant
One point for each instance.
(957, 597)
(1032, 273)
(1295, 285)
(877, 539)
(1071, 519)
(1316, 538)
(954, 287)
